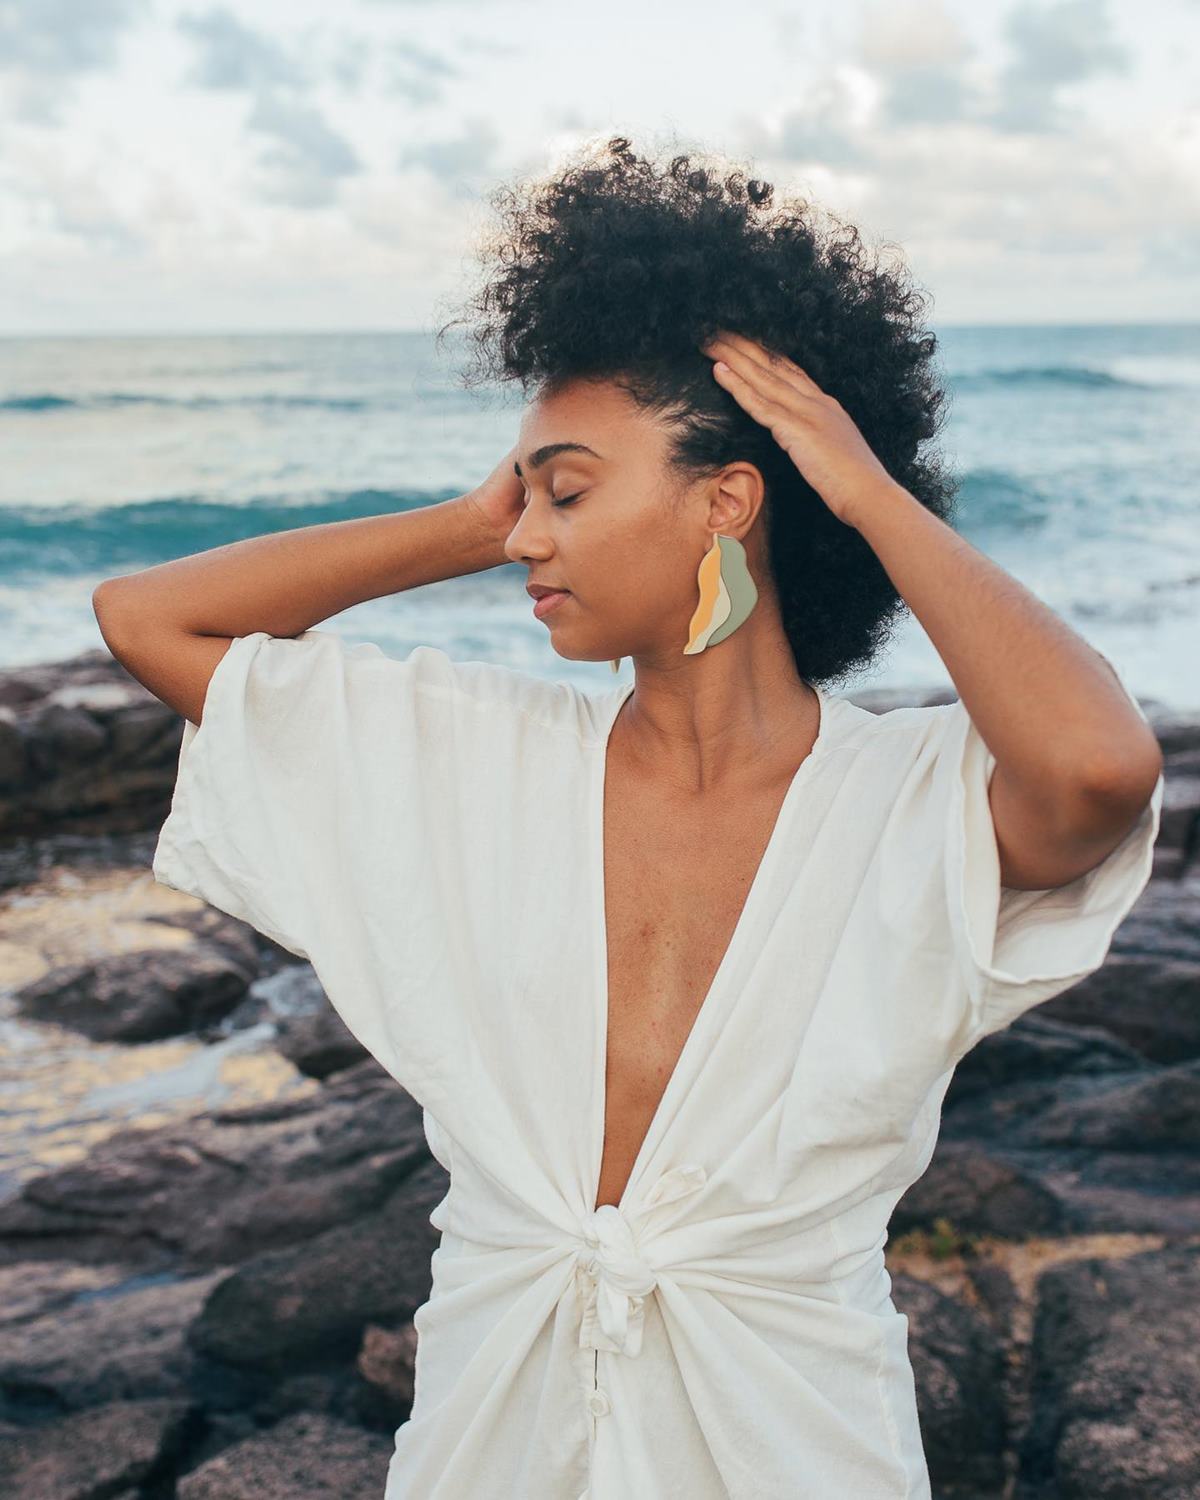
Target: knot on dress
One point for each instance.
(618, 1276)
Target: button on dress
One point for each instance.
(428, 834)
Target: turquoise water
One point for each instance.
(1077, 451)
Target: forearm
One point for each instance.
(1047, 705)
(288, 581)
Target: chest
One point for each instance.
(676, 881)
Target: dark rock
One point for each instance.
(1145, 1111)
(310, 1303)
(1176, 848)
(958, 1365)
(980, 1193)
(1133, 1192)
(1151, 1003)
(997, 1294)
(387, 1362)
(93, 1454)
(305, 1457)
(215, 1191)
(1116, 1370)
(319, 1044)
(31, 1288)
(85, 749)
(1164, 923)
(122, 1341)
(1034, 1050)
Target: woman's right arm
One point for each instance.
(170, 625)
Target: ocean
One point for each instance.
(1076, 448)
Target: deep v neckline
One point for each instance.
(597, 853)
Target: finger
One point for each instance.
(749, 350)
(773, 363)
(748, 395)
(771, 381)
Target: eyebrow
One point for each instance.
(551, 450)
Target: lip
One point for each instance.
(548, 602)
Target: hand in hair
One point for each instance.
(811, 426)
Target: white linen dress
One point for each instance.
(428, 834)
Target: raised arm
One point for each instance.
(169, 625)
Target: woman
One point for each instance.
(679, 971)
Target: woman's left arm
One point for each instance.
(1076, 764)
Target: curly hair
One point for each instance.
(618, 269)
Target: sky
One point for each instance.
(303, 165)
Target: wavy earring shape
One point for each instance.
(727, 594)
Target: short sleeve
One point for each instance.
(1018, 948)
(256, 826)
(359, 810)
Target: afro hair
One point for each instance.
(619, 268)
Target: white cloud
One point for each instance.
(188, 162)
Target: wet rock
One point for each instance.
(1116, 1369)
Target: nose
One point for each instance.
(525, 542)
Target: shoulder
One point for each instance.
(895, 733)
(428, 678)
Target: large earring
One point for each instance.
(727, 594)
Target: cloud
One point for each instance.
(63, 36)
(307, 155)
(464, 162)
(417, 74)
(919, 54)
(305, 158)
(231, 56)
(831, 125)
(1050, 49)
(45, 43)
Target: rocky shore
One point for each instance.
(211, 1297)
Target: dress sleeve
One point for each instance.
(336, 799)
(1018, 948)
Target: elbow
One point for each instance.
(110, 613)
(1130, 781)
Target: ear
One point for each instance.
(737, 498)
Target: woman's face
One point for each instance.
(627, 550)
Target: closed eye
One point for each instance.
(566, 500)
